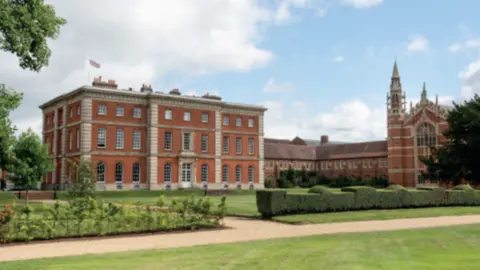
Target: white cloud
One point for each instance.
(283, 12)
(470, 78)
(418, 43)
(350, 121)
(321, 12)
(273, 87)
(363, 3)
(454, 48)
(473, 43)
(138, 42)
(339, 59)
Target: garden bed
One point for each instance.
(91, 218)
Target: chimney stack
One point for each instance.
(323, 139)
(175, 91)
(146, 88)
(110, 84)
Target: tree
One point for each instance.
(31, 161)
(82, 184)
(9, 100)
(457, 158)
(25, 26)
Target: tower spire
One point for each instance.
(395, 73)
(424, 93)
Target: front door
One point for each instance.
(186, 175)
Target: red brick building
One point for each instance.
(153, 140)
(410, 134)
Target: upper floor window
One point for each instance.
(251, 146)
(251, 123)
(168, 140)
(204, 142)
(204, 117)
(186, 116)
(70, 112)
(102, 109)
(119, 139)
(168, 114)
(238, 122)
(78, 109)
(78, 138)
(120, 111)
(137, 112)
(136, 140)
(187, 144)
(101, 137)
(226, 145)
(226, 120)
(47, 120)
(238, 145)
(426, 135)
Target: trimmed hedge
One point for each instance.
(320, 200)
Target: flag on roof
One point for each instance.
(94, 64)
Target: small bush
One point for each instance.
(462, 187)
(270, 182)
(395, 187)
(320, 190)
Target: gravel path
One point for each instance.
(242, 230)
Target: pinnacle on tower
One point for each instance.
(395, 73)
(424, 91)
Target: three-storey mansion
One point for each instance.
(410, 135)
(153, 140)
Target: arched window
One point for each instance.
(426, 135)
(204, 173)
(119, 173)
(238, 174)
(250, 174)
(101, 172)
(136, 172)
(167, 172)
(225, 172)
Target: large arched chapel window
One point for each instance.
(426, 135)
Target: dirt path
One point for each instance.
(242, 230)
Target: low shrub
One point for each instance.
(462, 187)
(91, 217)
(270, 182)
(320, 200)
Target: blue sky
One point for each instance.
(319, 66)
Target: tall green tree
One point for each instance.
(458, 157)
(25, 26)
(82, 181)
(31, 160)
(9, 101)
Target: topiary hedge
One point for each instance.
(320, 200)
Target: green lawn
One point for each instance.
(438, 248)
(378, 215)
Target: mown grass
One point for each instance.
(447, 248)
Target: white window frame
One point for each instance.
(136, 173)
(226, 120)
(226, 144)
(101, 137)
(47, 119)
(79, 109)
(168, 114)
(137, 112)
(204, 173)
(204, 117)
(187, 141)
(117, 172)
(120, 111)
(238, 121)
(119, 138)
(137, 140)
(238, 174)
(167, 173)
(204, 146)
(251, 174)
(101, 173)
(238, 145)
(70, 140)
(251, 146)
(225, 173)
(187, 172)
(168, 141)
(102, 109)
(78, 138)
(251, 122)
(70, 112)
(187, 116)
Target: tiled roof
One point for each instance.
(279, 149)
(289, 151)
